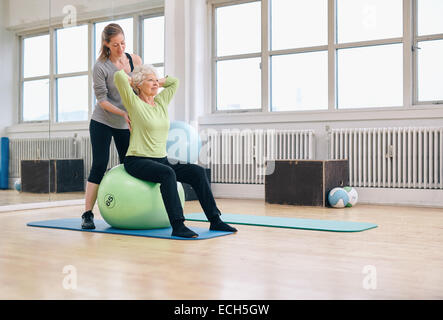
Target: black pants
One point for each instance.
(101, 136)
(160, 170)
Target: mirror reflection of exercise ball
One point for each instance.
(184, 143)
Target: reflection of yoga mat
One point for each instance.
(292, 223)
(102, 227)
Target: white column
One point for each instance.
(187, 57)
(9, 66)
(408, 55)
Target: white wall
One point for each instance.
(25, 13)
(188, 57)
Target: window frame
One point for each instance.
(408, 39)
(153, 14)
(216, 59)
(53, 76)
(57, 76)
(22, 78)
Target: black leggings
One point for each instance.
(101, 135)
(160, 170)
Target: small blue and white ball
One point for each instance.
(338, 198)
(18, 185)
(353, 196)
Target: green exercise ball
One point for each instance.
(126, 202)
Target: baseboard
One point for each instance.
(397, 196)
(238, 191)
(379, 196)
(40, 205)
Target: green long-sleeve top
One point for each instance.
(150, 124)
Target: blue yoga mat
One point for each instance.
(292, 223)
(102, 227)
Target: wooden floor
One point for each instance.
(403, 257)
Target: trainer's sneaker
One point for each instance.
(88, 220)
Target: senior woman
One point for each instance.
(109, 119)
(146, 158)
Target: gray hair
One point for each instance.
(139, 74)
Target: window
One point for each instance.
(299, 76)
(311, 55)
(370, 76)
(295, 64)
(364, 20)
(238, 84)
(429, 51)
(298, 24)
(72, 98)
(429, 14)
(232, 40)
(430, 69)
(67, 77)
(72, 49)
(72, 74)
(370, 67)
(36, 100)
(35, 78)
(238, 51)
(300, 81)
(154, 42)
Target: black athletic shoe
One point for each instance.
(88, 220)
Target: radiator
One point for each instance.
(409, 157)
(54, 148)
(239, 156)
(38, 149)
